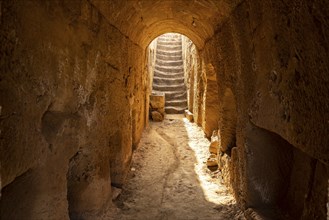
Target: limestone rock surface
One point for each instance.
(157, 102)
(189, 115)
(157, 116)
(212, 160)
(214, 143)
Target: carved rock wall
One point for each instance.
(74, 100)
(272, 77)
(73, 104)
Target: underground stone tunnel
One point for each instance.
(75, 83)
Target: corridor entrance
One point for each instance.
(168, 73)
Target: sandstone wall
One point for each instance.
(191, 62)
(151, 58)
(73, 104)
(74, 98)
(200, 78)
(273, 83)
(211, 98)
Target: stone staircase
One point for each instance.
(169, 73)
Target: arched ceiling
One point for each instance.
(144, 20)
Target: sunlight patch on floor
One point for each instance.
(212, 187)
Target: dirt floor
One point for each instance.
(170, 180)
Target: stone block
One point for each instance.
(157, 100)
(188, 115)
(157, 103)
(157, 116)
(214, 144)
(212, 161)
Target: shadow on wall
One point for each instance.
(281, 179)
(83, 195)
(23, 185)
(269, 161)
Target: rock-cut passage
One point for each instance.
(170, 180)
(169, 73)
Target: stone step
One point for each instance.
(177, 74)
(168, 93)
(169, 63)
(169, 72)
(175, 95)
(173, 41)
(174, 110)
(169, 43)
(164, 88)
(169, 48)
(169, 57)
(169, 69)
(175, 53)
(173, 50)
(166, 69)
(171, 95)
(176, 102)
(167, 81)
(169, 75)
(165, 43)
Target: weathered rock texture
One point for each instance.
(193, 80)
(71, 108)
(157, 102)
(74, 96)
(188, 115)
(168, 75)
(203, 98)
(272, 72)
(145, 20)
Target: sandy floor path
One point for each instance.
(169, 178)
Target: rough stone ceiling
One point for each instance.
(144, 20)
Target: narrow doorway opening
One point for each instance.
(171, 74)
